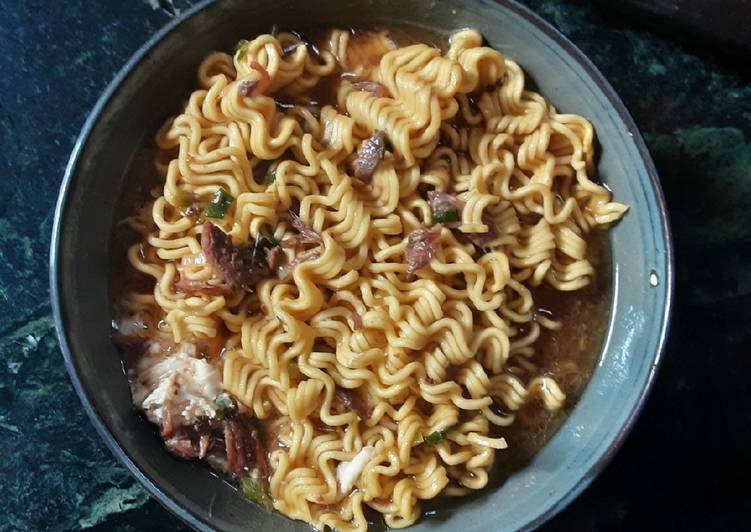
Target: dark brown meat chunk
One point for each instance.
(373, 87)
(371, 153)
(351, 400)
(237, 267)
(223, 256)
(245, 450)
(421, 246)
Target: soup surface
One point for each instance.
(372, 272)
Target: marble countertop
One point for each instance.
(682, 466)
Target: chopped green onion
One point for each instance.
(270, 177)
(219, 204)
(438, 436)
(266, 242)
(269, 241)
(444, 217)
(241, 48)
(253, 490)
(257, 252)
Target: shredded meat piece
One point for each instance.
(307, 235)
(181, 445)
(274, 258)
(203, 445)
(373, 87)
(421, 246)
(371, 153)
(351, 400)
(441, 201)
(304, 256)
(194, 286)
(234, 441)
(236, 267)
(245, 450)
(167, 426)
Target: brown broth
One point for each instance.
(569, 355)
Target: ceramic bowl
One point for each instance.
(114, 147)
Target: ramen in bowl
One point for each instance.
(373, 265)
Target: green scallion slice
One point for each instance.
(268, 241)
(219, 204)
(445, 217)
(253, 490)
(438, 436)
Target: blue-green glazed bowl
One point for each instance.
(109, 156)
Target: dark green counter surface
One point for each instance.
(684, 467)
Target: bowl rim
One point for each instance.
(196, 521)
